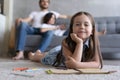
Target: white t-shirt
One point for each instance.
(37, 17)
(57, 32)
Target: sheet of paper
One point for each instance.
(78, 71)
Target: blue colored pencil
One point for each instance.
(31, 70)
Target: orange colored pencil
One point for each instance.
(20, 69)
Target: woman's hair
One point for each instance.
(47, 17)
(94, 46)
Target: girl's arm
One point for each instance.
(72, 63)
(92, 64)
(73, 60)
(66, 52)
(47, 27)
(76, 55)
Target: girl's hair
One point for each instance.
(47, 17)
(94, 46)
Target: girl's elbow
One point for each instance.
(98, 65)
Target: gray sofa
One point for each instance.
(110, 43)
(33, 41)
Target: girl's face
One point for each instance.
(82, 27)
(52, 20)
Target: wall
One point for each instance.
(23, 7)
(1, 6)
(2, 31)
(96, 7)
(5, 28)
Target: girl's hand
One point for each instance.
(76, 38)
(71, 62)
(62, 27)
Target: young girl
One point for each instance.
(49, 24)
(80, 49)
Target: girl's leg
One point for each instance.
(37, 56)
(103, 32)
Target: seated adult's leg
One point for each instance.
(21, 32)
(46, 40)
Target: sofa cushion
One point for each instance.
(110, 40)
(33, 41)
(111, 24)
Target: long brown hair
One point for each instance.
(94, 46)
(47, 17)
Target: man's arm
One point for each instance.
(28, 19)
(64, 16)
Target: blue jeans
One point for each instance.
(25, 29)
(50, 57)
